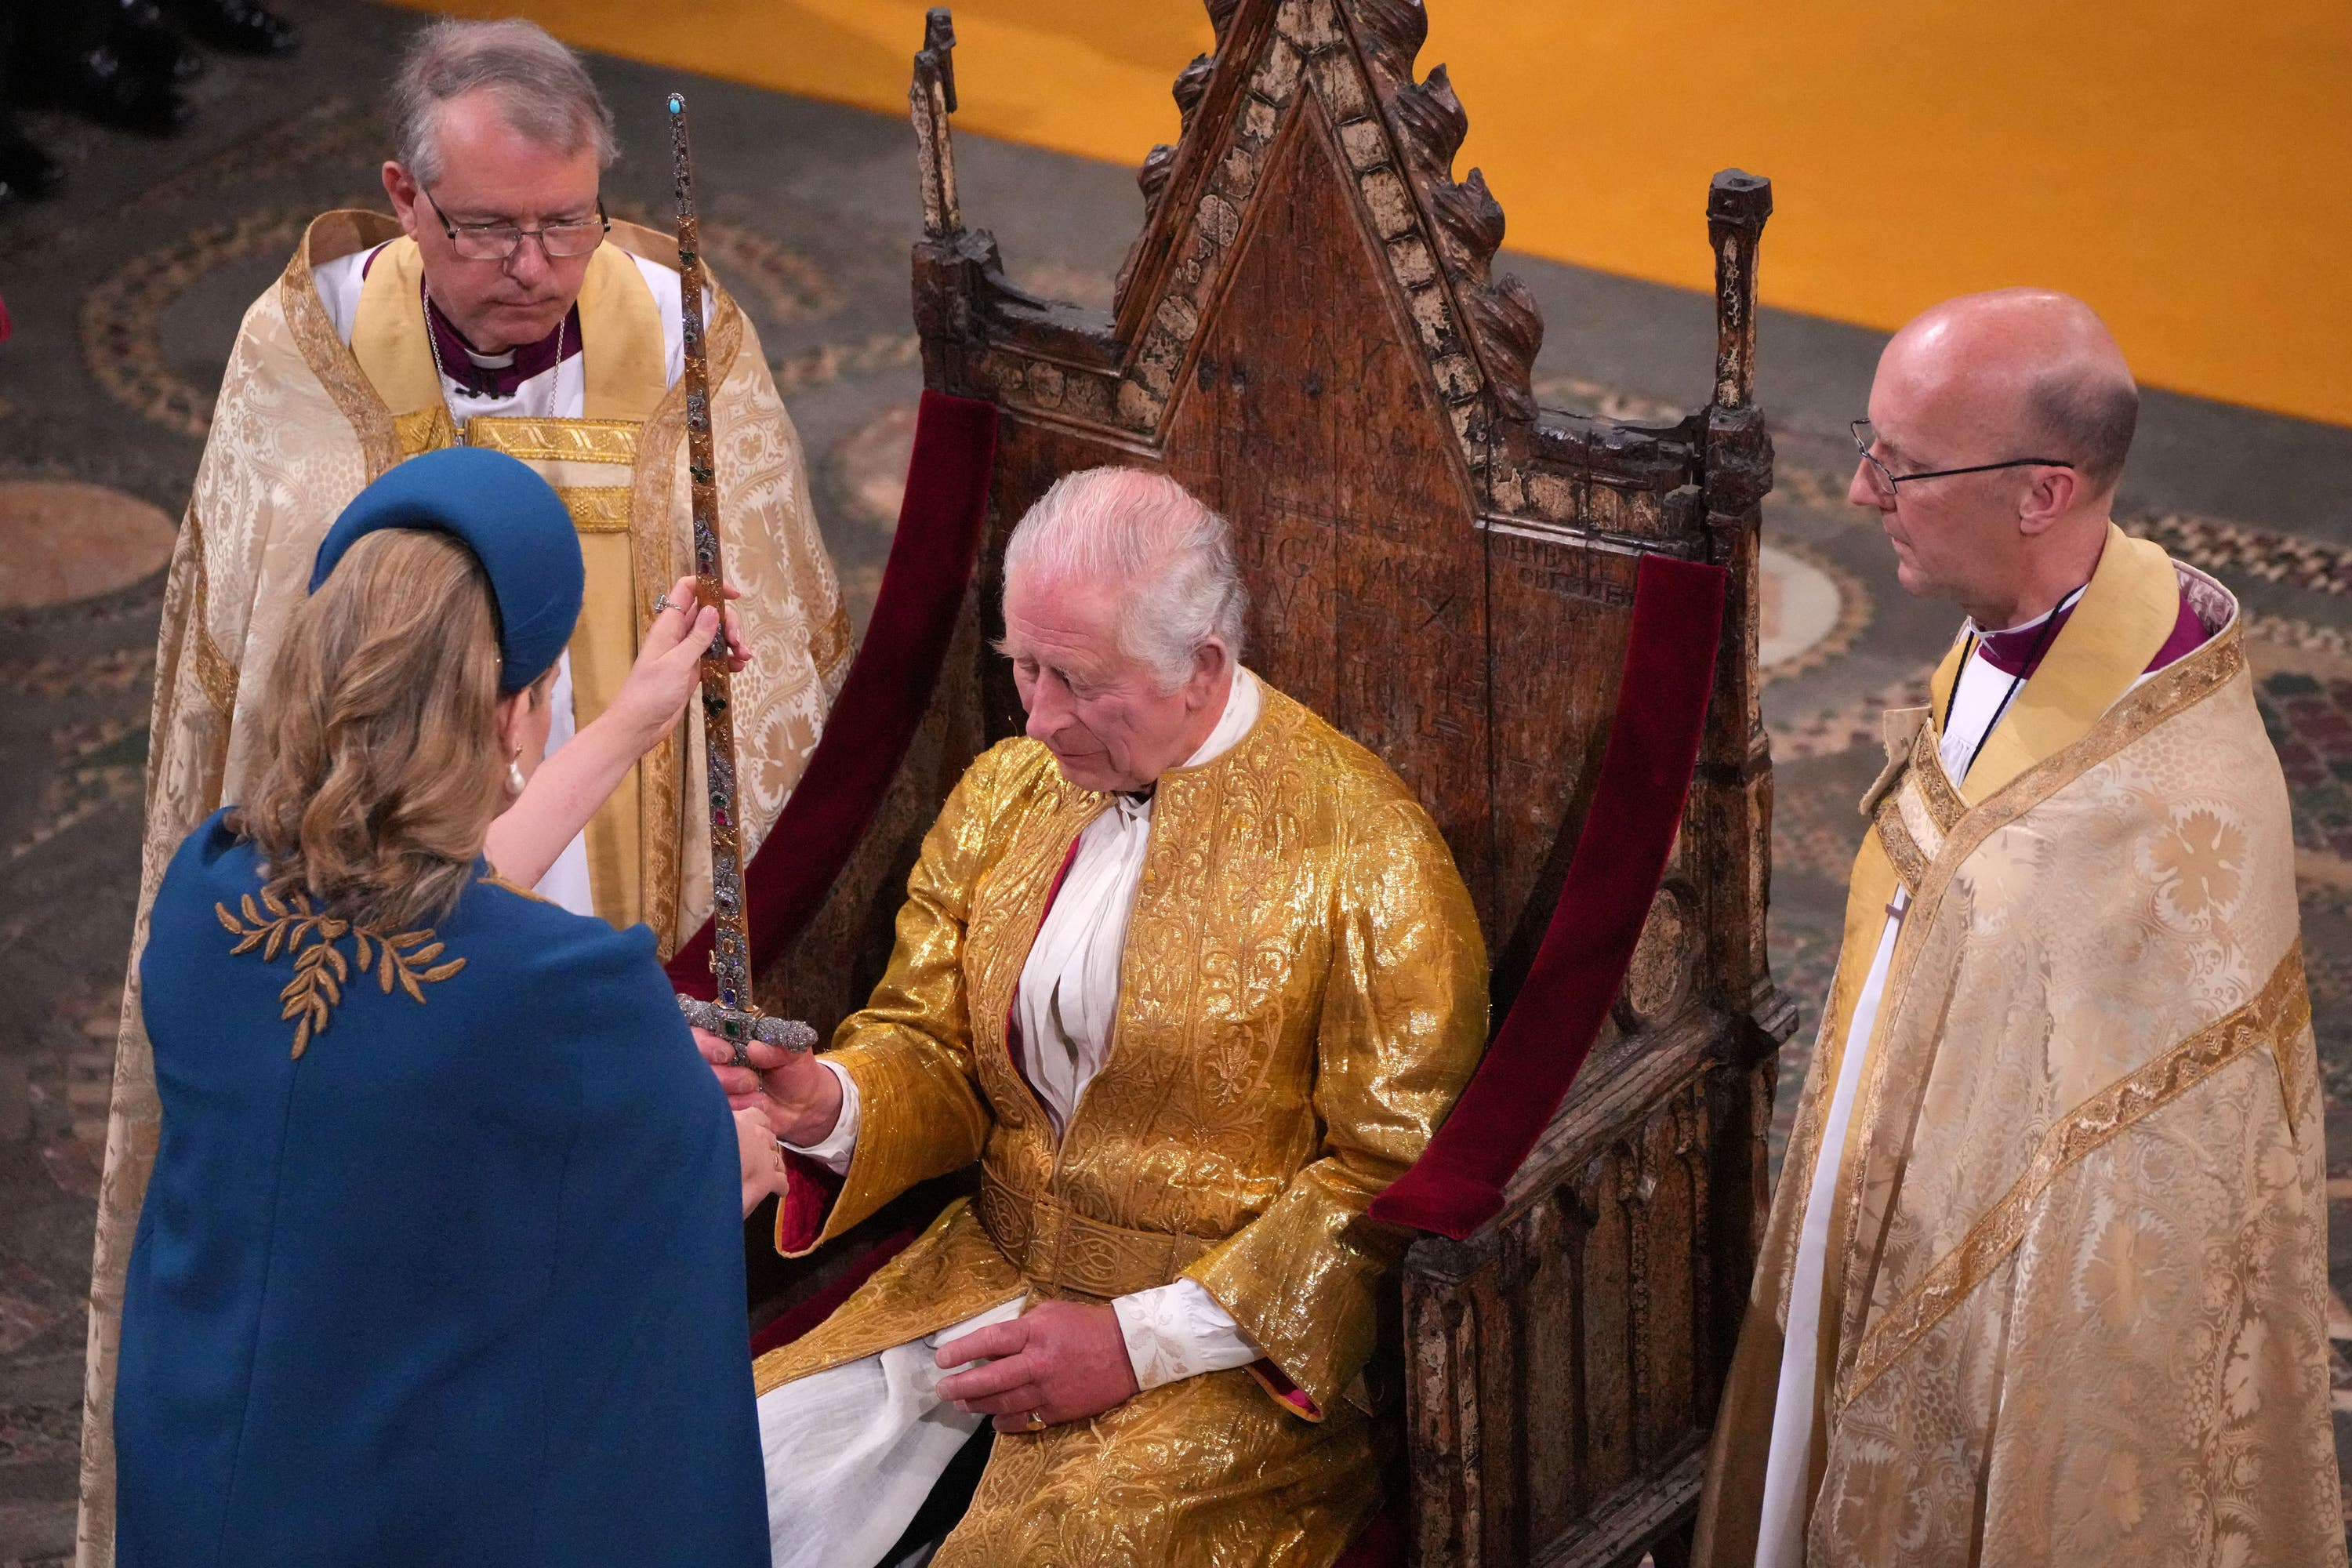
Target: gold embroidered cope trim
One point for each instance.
(425, 430)
(598, 508)
(2272, 1016)
(1064, 1253)
(1944, 806)
(320, 971)
(529, 441)
(829, 644)
(556, 440)
(331, 360)
(1903, 851)
(213, 671)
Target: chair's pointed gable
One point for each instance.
(1346, 64)
(1340, 445)
(1308, 331)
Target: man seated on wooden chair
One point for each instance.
(1194, 976)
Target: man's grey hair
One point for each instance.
(1183, 584)
(2087, 416)
(542, 89)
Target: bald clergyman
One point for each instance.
(2045, 1276)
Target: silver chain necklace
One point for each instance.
(433, 342)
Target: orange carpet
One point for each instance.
(2178, 162)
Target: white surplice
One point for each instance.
(852, 1451)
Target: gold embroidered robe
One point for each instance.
(1302, 995)
(302, 424)
(2074, 1302)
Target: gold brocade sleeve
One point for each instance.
(908, 1050)
(1404, 1024)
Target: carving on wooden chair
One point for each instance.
(1661, 974)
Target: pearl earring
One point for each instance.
(515, 780)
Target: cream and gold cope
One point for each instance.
(303, 423)
(1303, 994)
(2074, 1299)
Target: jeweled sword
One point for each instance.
(735, 1016)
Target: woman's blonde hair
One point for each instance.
(383, 767)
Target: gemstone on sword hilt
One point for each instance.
(740, 1028)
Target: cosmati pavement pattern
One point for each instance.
(126, 294)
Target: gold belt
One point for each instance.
(1062, 1253)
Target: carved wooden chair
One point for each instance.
(1307, 335)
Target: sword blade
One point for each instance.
(730, 947)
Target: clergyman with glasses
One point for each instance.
(2045, 1276)
(499, 307)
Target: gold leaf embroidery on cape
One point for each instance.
(320, 969)
(495, 880)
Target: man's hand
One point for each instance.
(1059, 1361)
(800, 1099)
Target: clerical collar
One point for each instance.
(2018, 650)
(498, 375)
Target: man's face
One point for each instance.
(1953, 538)
(1100, 711)
(490, 173)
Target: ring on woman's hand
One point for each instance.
(661, 604)
(1036, 1422)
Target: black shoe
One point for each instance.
(237, 24)
(151, 45)
(26, 171)
(100, 83)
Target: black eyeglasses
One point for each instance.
(1883, 479)
(497, 241)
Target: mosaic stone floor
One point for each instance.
(126, 294)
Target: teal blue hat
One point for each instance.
(513, 521)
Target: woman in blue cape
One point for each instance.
(441, 1260)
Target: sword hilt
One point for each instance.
(740, 1028)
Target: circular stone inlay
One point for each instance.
(1797, 606)
(61, 540)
